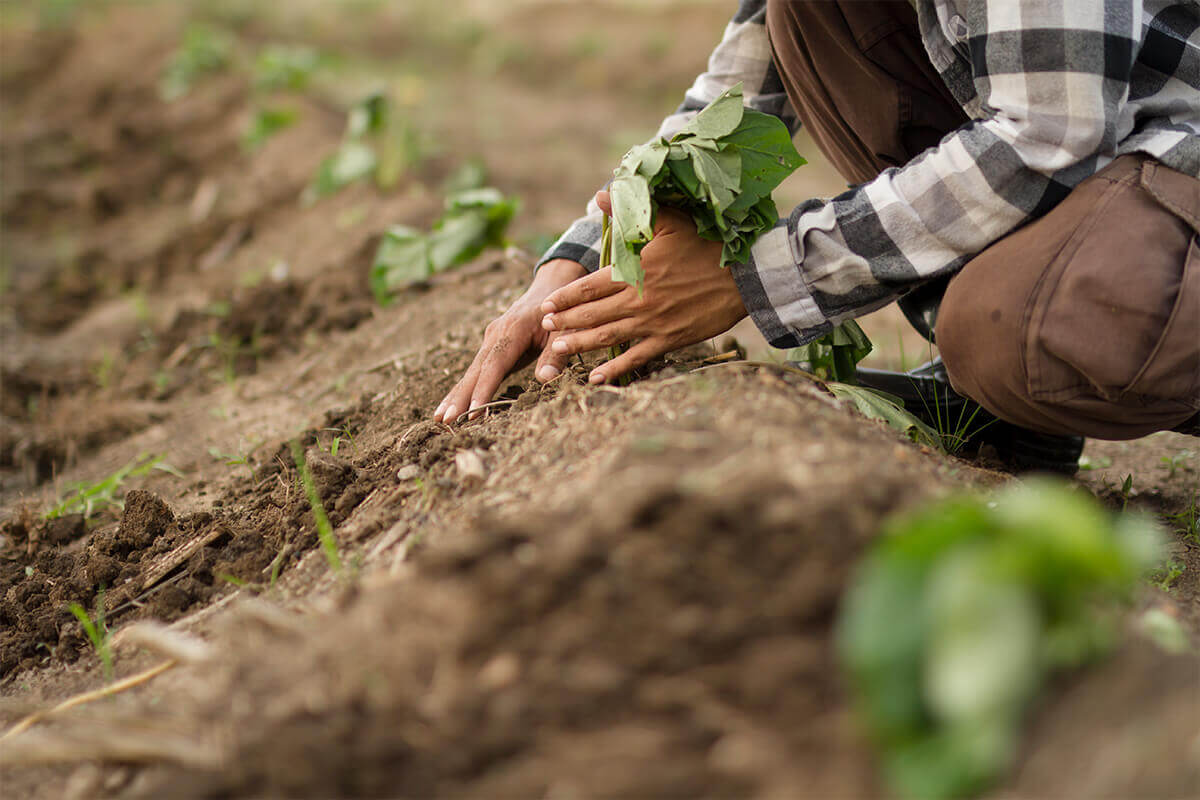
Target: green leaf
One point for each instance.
(720, 174)
(352, 162)
(719, 118)
(370, 116)
(631, 210)
(401, 259)
(767, 153)
(627, 266)
(644, 159)
(874, 405)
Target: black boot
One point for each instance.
(1190, 427)
(965, 426)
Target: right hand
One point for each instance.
(508, 339)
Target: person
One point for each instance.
(1025, 181)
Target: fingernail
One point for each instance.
(451, 414)
(548, 307)
(596, 378)
(548, 322)
(559, 346)
(438, 414)
(547, 373)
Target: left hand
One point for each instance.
(686, 298)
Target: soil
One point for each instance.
(591, 591)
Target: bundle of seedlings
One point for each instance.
(720, 169)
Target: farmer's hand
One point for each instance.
(508, 339)
(686, 299)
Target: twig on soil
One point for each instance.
(88, 697)
(137, 601)
(485, 406)
(720, 358)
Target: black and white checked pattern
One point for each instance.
(1056, 89)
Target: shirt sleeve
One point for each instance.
(1051, 80)
(744, 55)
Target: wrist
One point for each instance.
(558, 272)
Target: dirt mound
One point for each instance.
(660, 643)
(671, 634)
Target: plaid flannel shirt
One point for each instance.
(1055, 89)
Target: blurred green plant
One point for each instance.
(959, 612)
(267, 122)
(204, 51)
(475, 219)
(380, 141)
(280, 66)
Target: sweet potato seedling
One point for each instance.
(720, 168)
(475, 219)
(960, 612)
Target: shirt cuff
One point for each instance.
(581, 244)
(775, 294)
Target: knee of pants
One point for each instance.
(980, 345)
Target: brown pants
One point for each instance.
(1084, 321)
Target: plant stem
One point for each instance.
(606, 260)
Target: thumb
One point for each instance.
(604, 201)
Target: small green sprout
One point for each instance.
(324, 529)
(97, 632)
(89, 498)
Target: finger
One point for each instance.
(589, 315)
(460, 396)
(498, 361)
(636, 356)
(596, 286)
(550, 364)
(614, 333)
(605, 202)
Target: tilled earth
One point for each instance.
(592, 591)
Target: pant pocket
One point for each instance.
(1069, 345)
(1116, 315)
(1172, 371)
